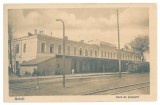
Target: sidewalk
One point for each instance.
(84, 75)
(77, 86)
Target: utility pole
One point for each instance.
(10, 48)
(119, 50)
(63, 51)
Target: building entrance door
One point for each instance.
(74, 66)
(80, 67)
(17, 65)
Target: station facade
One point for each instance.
(44, 52)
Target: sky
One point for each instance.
(83, 23)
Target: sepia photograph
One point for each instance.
(79, 52)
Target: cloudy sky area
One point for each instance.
(83, 23)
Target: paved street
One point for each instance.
(76, 84)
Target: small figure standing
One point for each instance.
(43, 73)
(59, 71)
(34, 72)
(18, 71)
(72, 70)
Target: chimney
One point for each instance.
(35, 31)
(39, 32)
(51, 33)
(82, 41)
(29, 34)
(66, 37)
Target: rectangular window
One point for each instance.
(111, 55)
(80, 51)
(68, 50)
(59, 49)
(95, 53)
(130, 57)
(51, 50)
(91, 53)
(108, 54)
(17, 48)
(105, 54)
(43, 47)
(86, 52)
(102, 54)
(17, 64)
(136, 58)
(74, 50)
(24, 48)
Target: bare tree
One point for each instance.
(140, 44)
(10, 48)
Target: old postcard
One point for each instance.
(80, 52)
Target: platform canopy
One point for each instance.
(36, 61)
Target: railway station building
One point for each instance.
(45, 53)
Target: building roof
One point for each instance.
(36, 61)
(58, 38)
